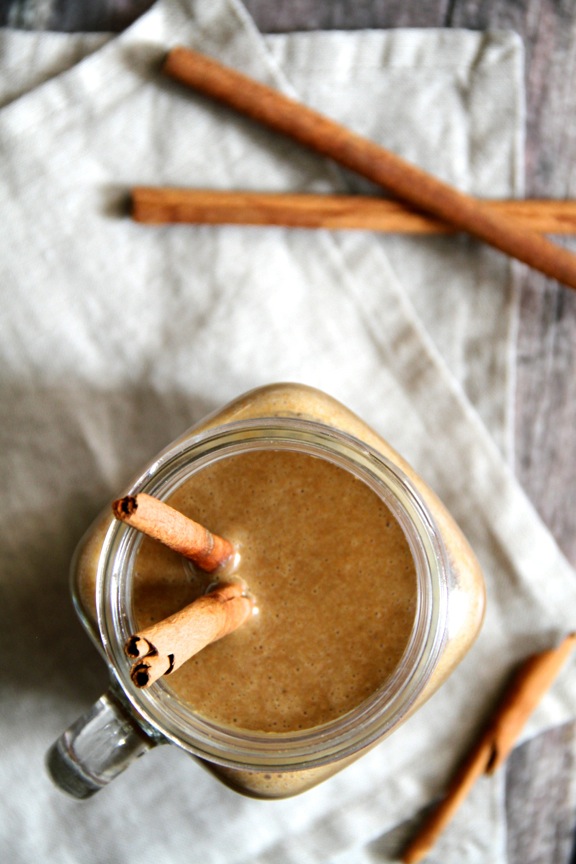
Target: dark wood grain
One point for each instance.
(546, 400)
(541, 786)
(536, 799)
(287, 15)
(70, 16)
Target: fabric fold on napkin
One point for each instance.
(29, 59)
(466, 129)
(117, 336)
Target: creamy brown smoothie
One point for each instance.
(333, 579)
(356, 626)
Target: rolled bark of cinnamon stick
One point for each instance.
(161, 205)
(528, 686)
(163, 647)
(162, 522)
(408, 182)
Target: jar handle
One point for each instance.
(96, 748)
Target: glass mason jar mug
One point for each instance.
(367, 593)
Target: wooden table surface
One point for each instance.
(540, 776)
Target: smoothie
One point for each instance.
(333, 578)
(368, 593)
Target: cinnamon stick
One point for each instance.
(527, 687)
(161, 205)
(408, 182)
(163, 647)
(162, 522)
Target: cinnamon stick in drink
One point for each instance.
(161, 205)
(408, 182)
(161, 522)
(527, 688)
(161, 648)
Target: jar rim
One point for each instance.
(168, 717)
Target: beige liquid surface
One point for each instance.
(334, 582)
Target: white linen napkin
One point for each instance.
(116, 336)
(29, 58)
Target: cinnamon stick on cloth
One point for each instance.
(163, 647)
(172, 528)
(526, 689)
(160, 205)
(407, 181)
